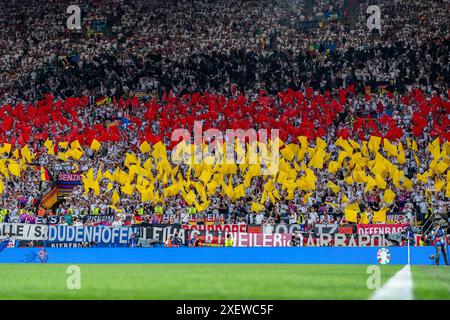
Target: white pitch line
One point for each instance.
(399, 287)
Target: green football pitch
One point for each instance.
(210, 281)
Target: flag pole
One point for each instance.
(409, 257)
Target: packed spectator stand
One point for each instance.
(308, 68)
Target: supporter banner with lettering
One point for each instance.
(318, 228)
(326, 228)
(344, 240)
(346, 229)
(287, 228)
(20, 231)
(393, 218)
(97, 234)
(208, 219)
(380, 228)
(96, 219)
(243, 239)
(70, 178)
(163, 232)
(68, 245)
(66, 181)
(241, 227)
(254, 228)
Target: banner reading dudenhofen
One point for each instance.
(98, 234)
(21, 231)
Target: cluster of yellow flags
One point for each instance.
(15, 165)
(363, 162)
(150, 175)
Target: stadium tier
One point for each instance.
(199, 159)
(226, 123)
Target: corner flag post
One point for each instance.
(409, 257)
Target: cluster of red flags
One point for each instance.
(293, 113)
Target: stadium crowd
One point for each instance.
(187, 46)
(201, 59)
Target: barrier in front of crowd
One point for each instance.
(158, 234)
(291, 255)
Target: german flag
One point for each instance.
(102, 100)
(50, 198)
(45, 175)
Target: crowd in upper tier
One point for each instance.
(188, 46)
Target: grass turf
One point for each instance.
(210, 281)
(175, 281)
(431, 282)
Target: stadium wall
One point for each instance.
(291, 255)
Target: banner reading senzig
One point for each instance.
(21, 231)
(98, 234)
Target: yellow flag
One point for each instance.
(354, 206)
(380, 215)
(239, 191)
(380, 182)
(26, 153)
(344, 145)
(371, 183)
(145, 147)
(423, 177)
(389, 196)
(333, 166)
(439, 184)
(333, 186)
(127, 189)
(256, 207)
(349, 179)
(407, 183)
(95, 145)
(435, 148)
(75, 145)
(49, 145)
(408, 143)
(62, 156)
(389, 148)
(344, 199)
(364, 218)
(115, 197)
(14, 168)
(63, 144)
(75, 153)
(7, 147)
(320, 144)
(205, 176)
(374, 144)
(318, 159)
(288, 153)
(306, 197)
(441, 166)
(401, 158)
(417, 160)
(190, 197)
(351, 215)
(447, 190)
